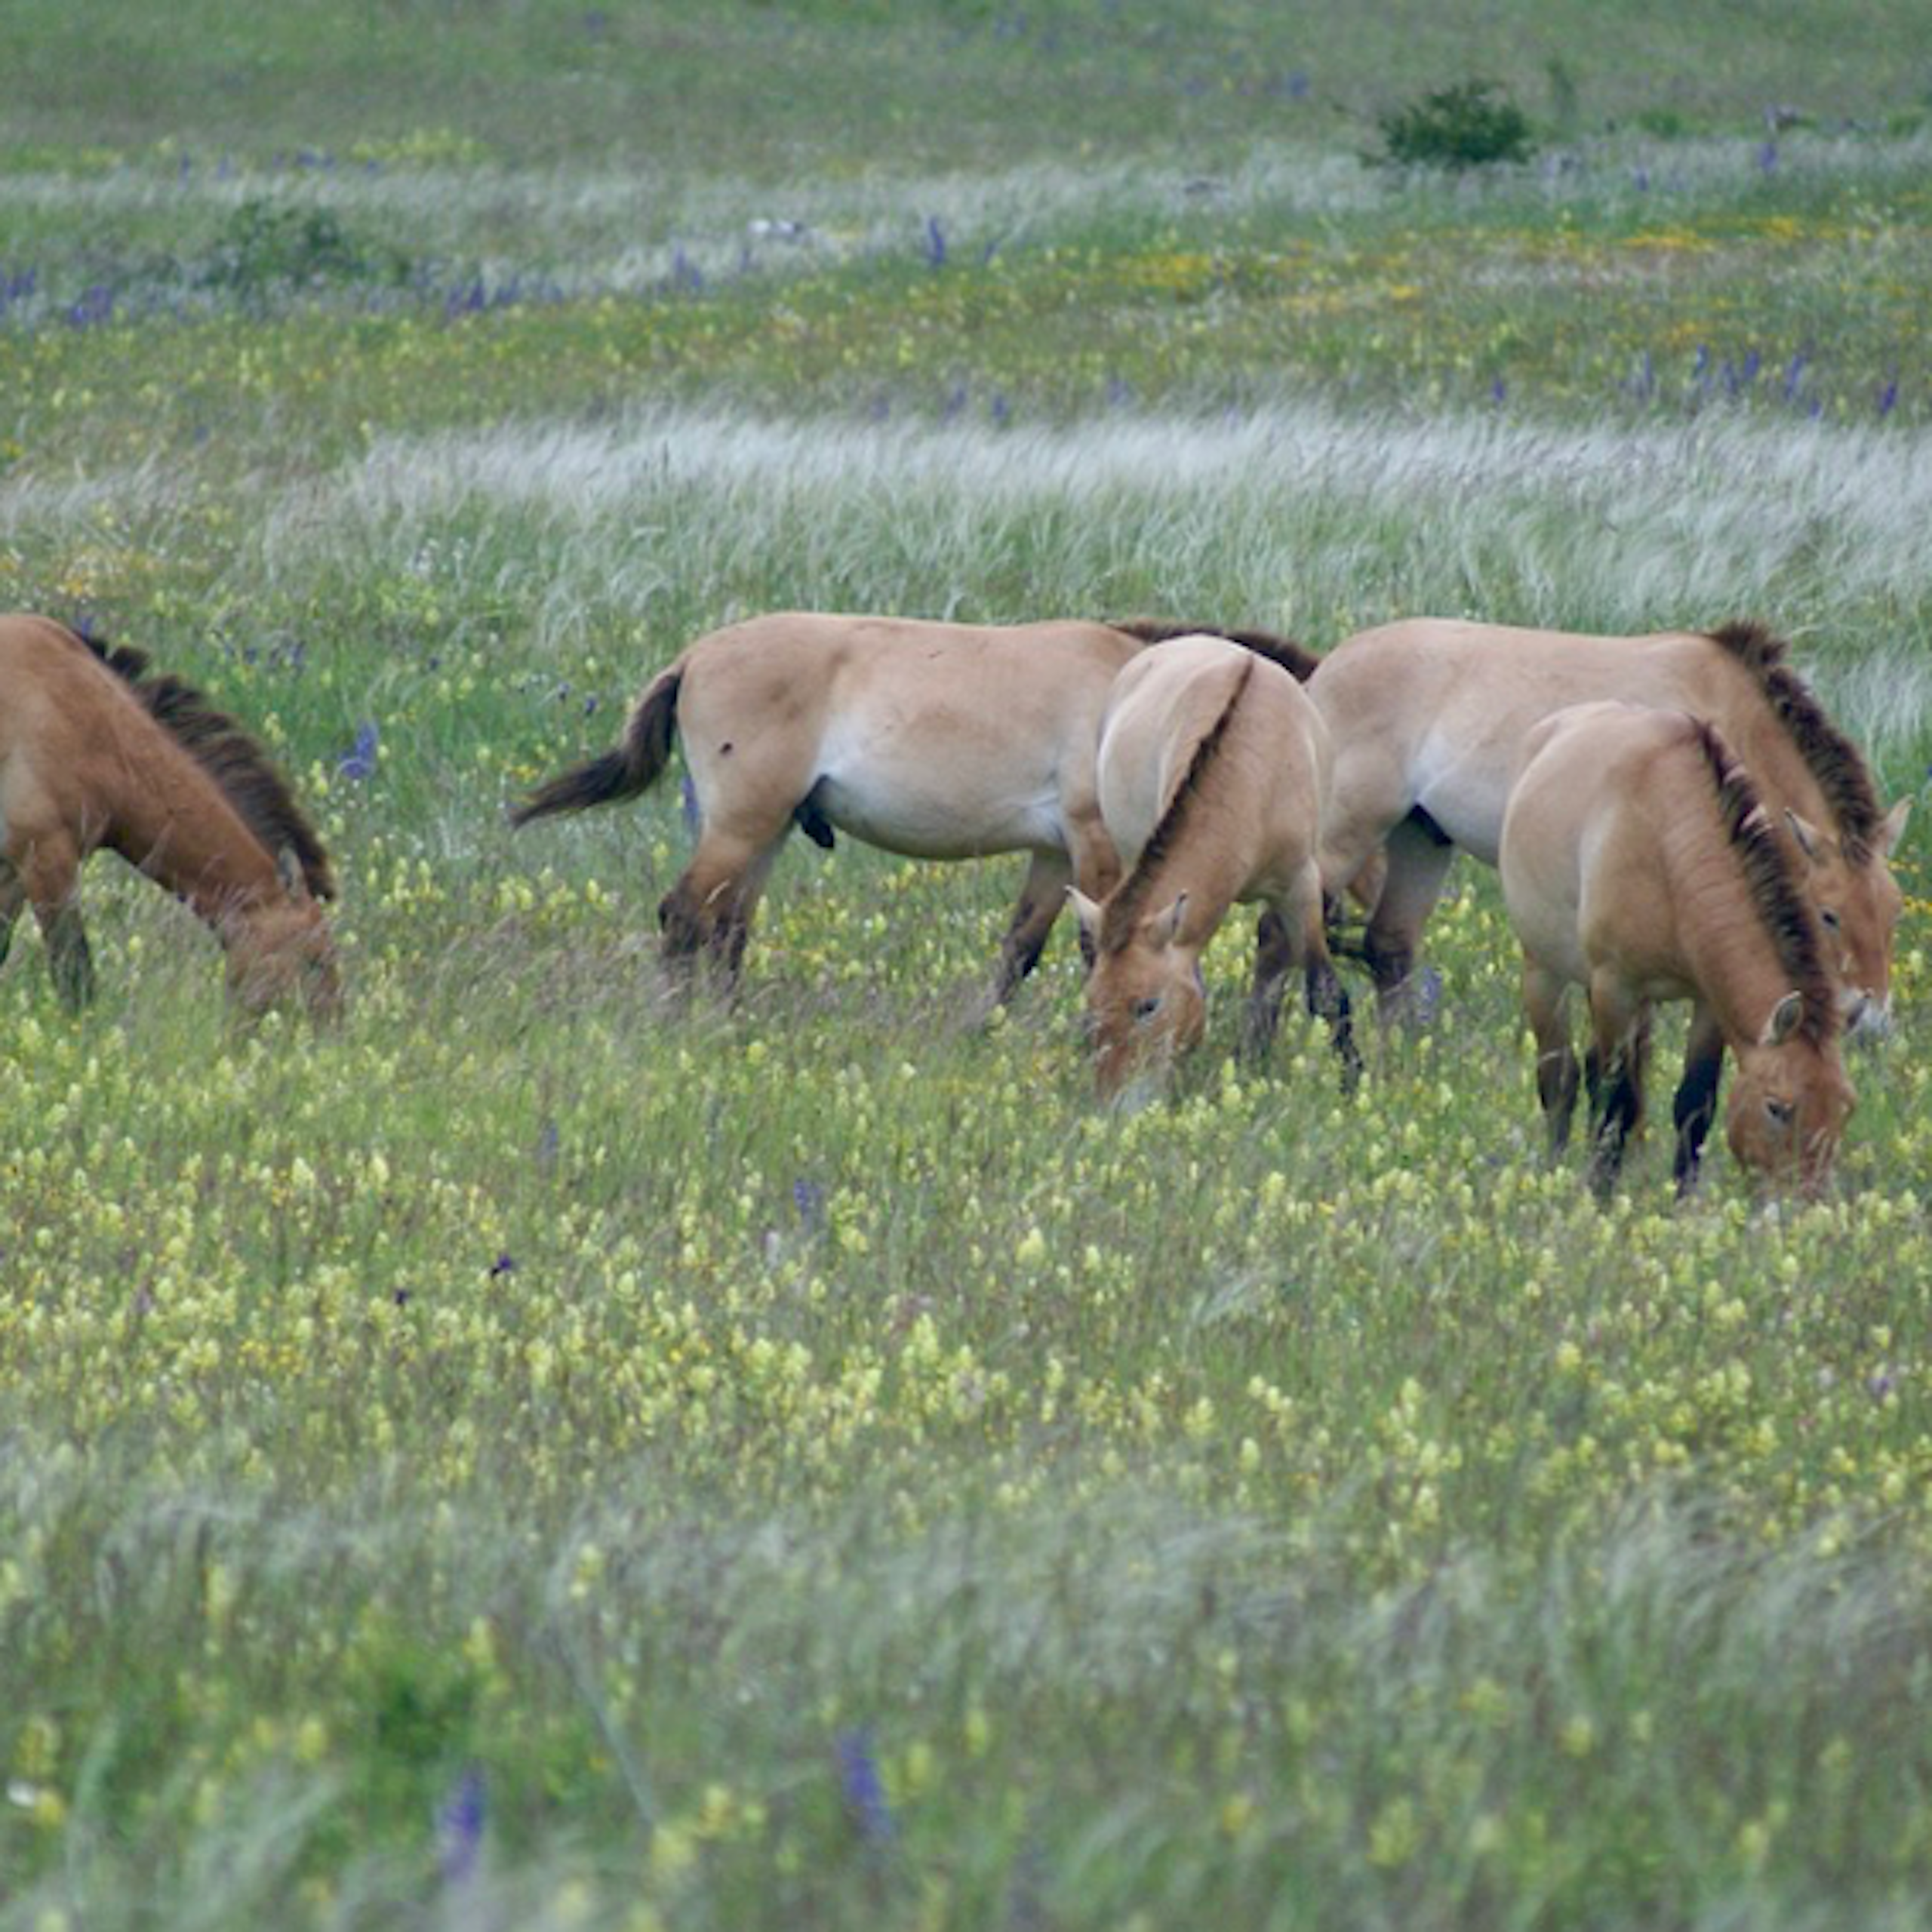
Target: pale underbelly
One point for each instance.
(922, 823)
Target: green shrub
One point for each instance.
(262, 246)
(1468, 125)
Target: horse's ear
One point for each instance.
(1165, 929)
(1893, 830)
(1088, 911)
(288, 868)
(1806, 834)
(1784, 1017)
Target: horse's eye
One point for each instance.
(1828, 919)
(1145, 1009)
(1779, 1113)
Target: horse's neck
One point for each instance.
(1772, 755)
(1205, 866)
(166, 817)
(1726, 946)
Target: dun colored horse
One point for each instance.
(934, 741)
(96, 750)
(1639, 862)
(1214, 768)
(1430, 719)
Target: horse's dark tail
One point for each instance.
(622, 773)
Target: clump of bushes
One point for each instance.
(263, 247)
(1472, 125)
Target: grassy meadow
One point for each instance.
(540, 1456)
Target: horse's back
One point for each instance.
(931, 739)
(1438, 712)
(1275, 762)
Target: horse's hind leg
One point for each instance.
(1277, 950)
(1696, 1102)
(1275, 953)
(705, 917)
(1556, 1062)
(1418, 861)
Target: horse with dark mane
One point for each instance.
(1639, 862)
(98, 750)
(1212, 774)
(1431, 719)
(933, 740)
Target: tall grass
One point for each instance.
(1306, 518)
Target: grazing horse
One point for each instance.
(97, 750)
(1639, 862)
(933, 740)
(1430, 719)
(1214, 768)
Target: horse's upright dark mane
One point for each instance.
(1123, 910)
(259, 793)
(1295, 659)
(1770, 873)
(1834, 760)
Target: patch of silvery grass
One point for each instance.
(1313, 520)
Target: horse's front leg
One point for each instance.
(1556, 1062)
(13, 902)
(1619, 1056)
(1697, 1103)
(1041, 894)
(1328, 999)
(69, 956)
(50, 876)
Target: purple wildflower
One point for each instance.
(864, 1789)
(1428, 995)
(808, 1197)
(459, 1822)
(358, 762)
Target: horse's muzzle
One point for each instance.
(1869, 1020)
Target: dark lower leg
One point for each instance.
(1328, 998)
(1274, 955)
(1025, 941)
(1556, 1089)
(1694, 1109)
(68, 956)
(1619, 1106)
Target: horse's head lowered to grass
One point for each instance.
(97, 749)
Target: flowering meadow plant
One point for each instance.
(549, 1452)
